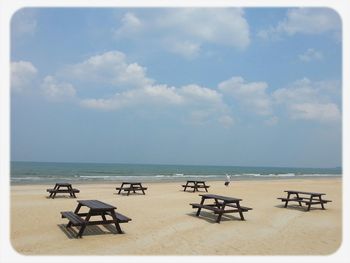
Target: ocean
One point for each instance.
(50, 172)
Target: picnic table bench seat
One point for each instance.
(74, 190)
(121, 218)
(209, 207)
(218, 210)
(134, 189)
(131, 188)
(75, 219)
(244, 208)
(198, 186)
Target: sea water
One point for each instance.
(50, 172)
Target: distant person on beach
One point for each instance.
(228, 178)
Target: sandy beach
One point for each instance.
(163, 222)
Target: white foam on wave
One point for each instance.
(249, 174)
(286, 175)
(34, 178)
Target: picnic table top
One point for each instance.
(302, 192)
(131, 182)
(63, 184)
(96, 204)
(220, 197)
(195, 181)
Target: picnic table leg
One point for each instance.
(82, 228)
(217, 203)
(219, 218)
(142, 190)
(285, 205)
(321, 201)
(240, 211)
(55, 192)
(120, 189)
(103, 216)
(70, 190)
(309, 206)
(298, 198)
(185, 186)
(199, 209)
(220, 214)
(76, 211)
(116, 222)
(205, 187)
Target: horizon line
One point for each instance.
(262, 166)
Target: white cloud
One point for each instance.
(315, 111)
(121, 84)
(252, 95)
(24, 22)
(310, 21)
(22, 74)
(303, 90)
(130, 25)
(221, 26)
(196, 93)
(125, 84)
(159, 95)
(309, 100)
(149, 95)
(311, 55)
(110, 68)
(186, 49)
(189, 28)
(103, 104)
(55, 90)
(299, 91)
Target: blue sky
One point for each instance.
(252, 87)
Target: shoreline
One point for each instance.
(163, 222)
(179, 180)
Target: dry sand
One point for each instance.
(163, 222)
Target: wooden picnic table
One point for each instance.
(131, 186)
(195, 185)
(221, 205)
(308, 198)
(96, 208)
(67, 188)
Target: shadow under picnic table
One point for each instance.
(72, 232)
(211, 217)
(297, 207)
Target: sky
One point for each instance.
(214, 86)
